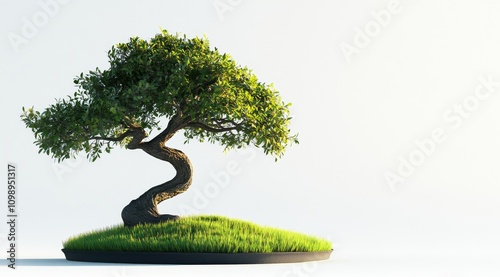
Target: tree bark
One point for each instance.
(144, 209)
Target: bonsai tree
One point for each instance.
(200, 91)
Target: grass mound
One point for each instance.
(202, 234)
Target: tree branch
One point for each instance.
(138, 134)
(175, 124)
(220, 122)
(210, 128)
(119, 138)
(207, 84)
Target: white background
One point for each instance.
(358, 115)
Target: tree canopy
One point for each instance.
(168, 76)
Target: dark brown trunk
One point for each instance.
(144, 209)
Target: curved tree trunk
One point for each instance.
(144, 208)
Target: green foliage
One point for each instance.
(169, 75)
(212, 234)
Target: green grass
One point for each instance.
(206, 234)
